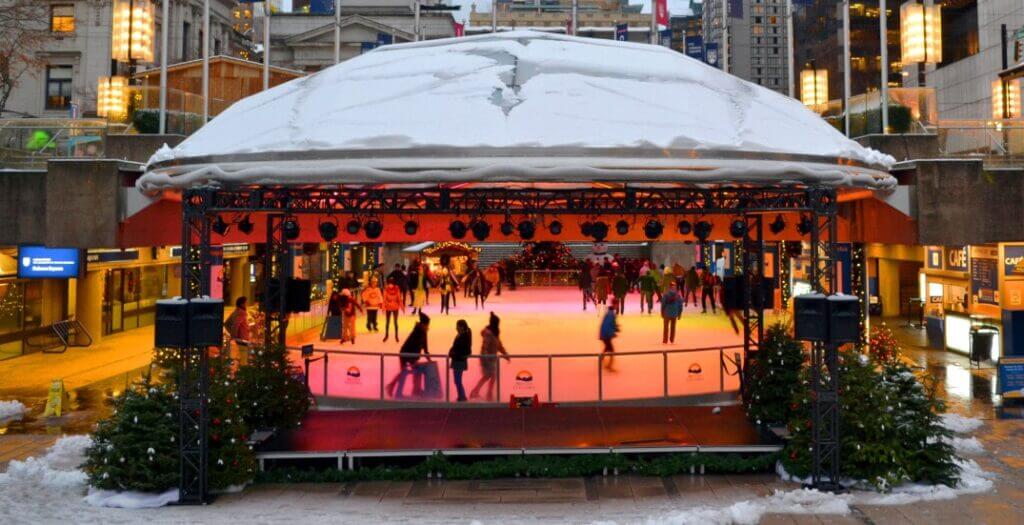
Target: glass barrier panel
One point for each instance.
(732, 378)
(350, 376)
(524, 377)
(422, 381)
(474, 378)
(633, 376)
(575, 378)
(692, 373)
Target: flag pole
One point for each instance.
(575, 16)
(164, 22)
(206, 61)
(725, 35)
(654, 22)
(416, 20)
(337, 31)
(846, 64)
(494, 16)
(266, 44)
(790, 68)
(884, 66)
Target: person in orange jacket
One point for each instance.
(392, 303)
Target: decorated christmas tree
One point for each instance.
(231, 461)
(136, 448)
(774, 376)
(271, 392)
(545, 255)
(884, 346)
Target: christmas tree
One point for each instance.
(271, 391)
(231, 461)
(136, 448)
(773, 376)
(545, 255)
(884, 346)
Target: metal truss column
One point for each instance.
(193, 369)
(753, 266)
(825, 416)
(277, 268)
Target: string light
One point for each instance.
(784, 274)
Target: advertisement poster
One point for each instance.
(985, 281)
(711, 54)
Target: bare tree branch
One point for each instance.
(24, 30)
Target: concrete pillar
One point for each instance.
(89, 303)
(889, 286)
(239, 279)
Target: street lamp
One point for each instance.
(112, 97)
(132, 31)
(920, 33)
(1006, 98)
(814, 87)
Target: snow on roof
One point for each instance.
(523, 106)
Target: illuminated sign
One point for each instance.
(1013, 261)
(40, 262)
(956, 259)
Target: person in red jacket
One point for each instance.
(393, 302)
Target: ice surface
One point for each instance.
(11, 410)
(519, 89)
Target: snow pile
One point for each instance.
(11, 411)
(973, 480)
(130, 500)
(969, 446)
(958, 424)
(802, 501)
(58, 469)
(656, 108)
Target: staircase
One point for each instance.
(492, 252)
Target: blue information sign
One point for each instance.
(1011, 377)
(40, 262)
(694, 47)
(711, 53)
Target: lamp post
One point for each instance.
(846, 65)
(266, 44)
(131, 41)
(165, 20)
(814, 87)
(883, 30)
(920, 35)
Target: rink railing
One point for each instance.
(553, 378)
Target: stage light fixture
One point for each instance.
(507, 228)
(411, 227)
(481, 230)
(622, 227)
(527, 229)
(738, 228)
(246, 226)
(702, 230)
(587, 228)
(805, 225)
(353, 226)
(290, 228)
(373, 228)
(458, 229)
(653, 229)
(329, 229)
(555, 227)
(599, 231)
(777, 225)
(220, 226)
(684, 227)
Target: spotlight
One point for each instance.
(246, 226)
(653, 229)
(599, 231)
(622, 227)
(507, 228)
(527, 229)
(329, 230)
(738, 228)
(290, 228)
(555, 227)
(685, 227)
(702, 230)
(481, 230)
(805, 225)
(777, 225)
(411, 227)
(353, 227)
(220, 226)
(373, 228)
(458, 229)
(587, 228)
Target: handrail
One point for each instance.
(534, 356)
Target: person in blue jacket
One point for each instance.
(671, 310)
(609, 329)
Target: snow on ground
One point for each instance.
(11, 411)
(958, 424)
(800, 501)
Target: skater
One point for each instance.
(501, 276)
(692, 283)
(671, 310)
(461, 348)
(349, 307)
(419, 283)
(609, 329)
(666, 278)
(409, 356)
(490, 349)
(447, 285)
(586, 282)
(602, 286)
(493, 277)
(372, 298)
(708, 284)
(620, 287)
(392, 303)
(648, 289)
(397, 276)
(477, 286)
(510, 272)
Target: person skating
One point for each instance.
(648, 289)
(478, 287)
(461, 348)
(447, 285)
(490, 349)
(409, 356)
(586, 283)
(393, 302)
(692, 282)
(397, 276)
(349, 309)
(609, 329)
(372, 299)
(708, 283)
(671, 310)
(602, 286)
(419, 283)
(620, 287)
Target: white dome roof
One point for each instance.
(518, 106)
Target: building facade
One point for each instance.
(538, 14)
(688, 25)
(757, 45)
(78, 51)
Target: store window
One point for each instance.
(959, 32)
(62, 18)
(58, 87)
(21, 315)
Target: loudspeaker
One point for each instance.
(206, 322)
(171, 324)
(843, 318)
(810, 317)
(764, 297)
(732, 293)
(298, 295)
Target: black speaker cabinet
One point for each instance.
(843, 318)
(732, 293)
(171, 319)
(298, 295)
(810, 317)
(206, 324)
(764, 295)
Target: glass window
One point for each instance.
(62, 18)
(58, 87)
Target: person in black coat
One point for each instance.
(409, 356)
(462, 347)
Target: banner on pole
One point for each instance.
(384, 39)
(693, 46)
(622, 32)
(568, 26)
(661, 12)
(367, 46)
(711, 53)
(460, 29)
(665, 37)
(736, 8)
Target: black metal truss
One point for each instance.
(753, 300)
(277, 268)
